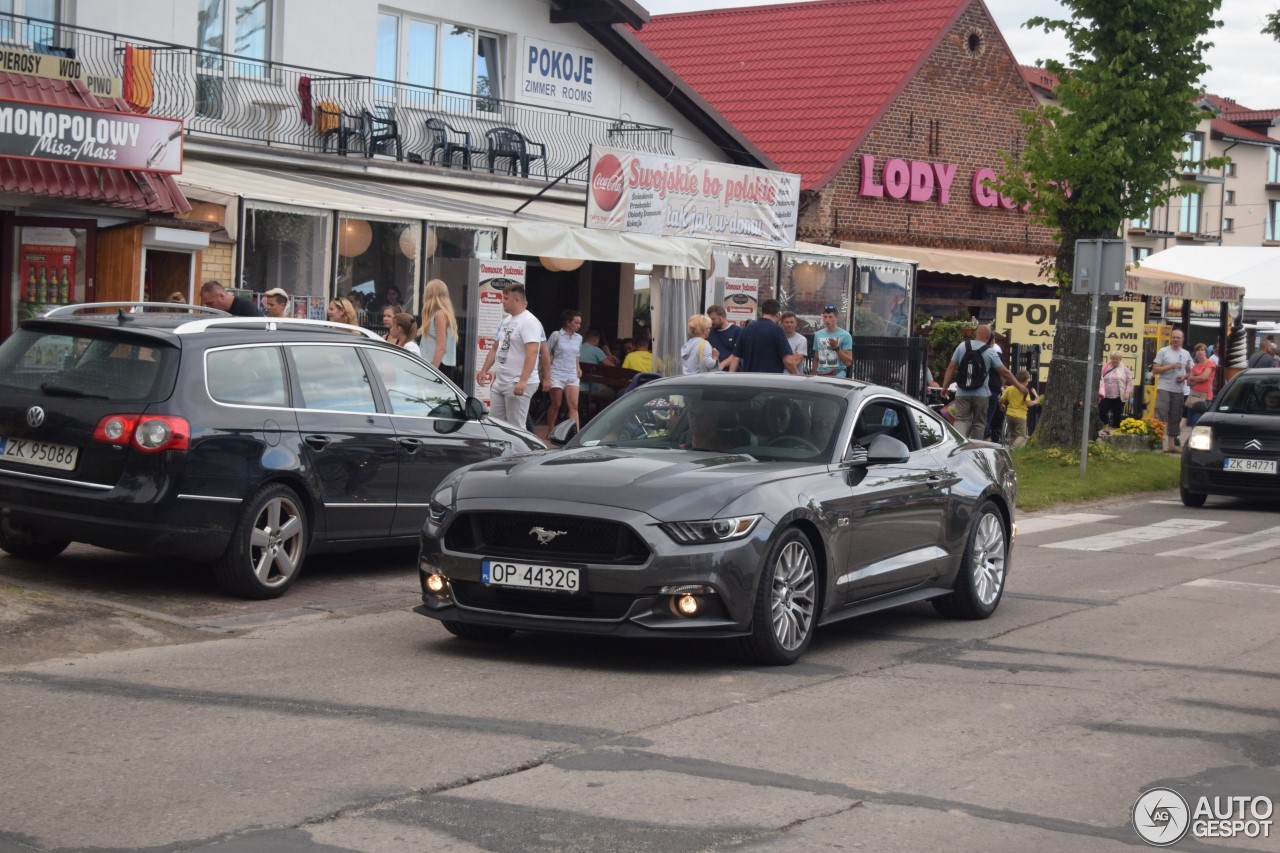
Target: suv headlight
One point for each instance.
(713, 530)
(441, 502)
(1201, 438)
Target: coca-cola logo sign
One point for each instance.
(606, 182)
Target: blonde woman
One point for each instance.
(440, 342)
(341, 310)
(697, 354)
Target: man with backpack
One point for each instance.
(971, 366)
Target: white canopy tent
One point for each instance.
(1254, 268)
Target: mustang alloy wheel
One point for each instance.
(267, 547)
(980, 579)
(786, 608)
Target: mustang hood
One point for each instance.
(667, 484)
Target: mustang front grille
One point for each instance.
(537, 537)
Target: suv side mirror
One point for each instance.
(475, 409)
(563, 433)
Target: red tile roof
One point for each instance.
(1221, 127)
(112, 187)
(1038, 78)
(803, 81)
(1232, 110)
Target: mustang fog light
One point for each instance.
(1201, 438)
(687, 605)
(435, 585)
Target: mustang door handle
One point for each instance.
(319, 442)
(411, 444)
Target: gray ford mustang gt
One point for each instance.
(724, 505)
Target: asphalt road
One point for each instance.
(1137, 646)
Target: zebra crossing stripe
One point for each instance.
(1228, 549)
(1136, 535)
(1040, 524)
(1237, 585)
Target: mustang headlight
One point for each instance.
(713, 530)
(1201, 438)
(441, 502)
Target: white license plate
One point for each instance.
(1250, 466)
(40, 453)
(503, 573)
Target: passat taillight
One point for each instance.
(148, 433)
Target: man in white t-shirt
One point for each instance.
(799, 346)
(513, 359)
(1170, 366)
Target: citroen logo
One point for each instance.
(1251, 444)
(546, 536)
(35, 416)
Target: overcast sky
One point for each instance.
(1244, 62)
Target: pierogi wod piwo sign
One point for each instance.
(643, 193)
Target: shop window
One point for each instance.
(809, 283)
(288, 247)
(463, 61)
(883, 299)
(378, 262)
(35, 34)
(741, 279)
(49, 268)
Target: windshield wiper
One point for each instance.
(62, 391)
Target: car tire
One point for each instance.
(484, 633)
(267, 546)
(1192, 498)
(17, 543)
(980, 580)
(786, 607)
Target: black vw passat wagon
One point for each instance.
(242, 442)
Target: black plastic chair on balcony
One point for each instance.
(382, 132)
(338, 128)
(518, 150)
(443, 140)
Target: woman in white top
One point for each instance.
(440, 341)
(564, 345)
(402, 331)
(697, 355)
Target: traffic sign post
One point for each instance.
(1099, 269)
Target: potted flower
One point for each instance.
(1135, 434)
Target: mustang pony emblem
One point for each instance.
(546, 536)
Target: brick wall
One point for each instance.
(217, 264)
(962, 107)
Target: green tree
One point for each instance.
(1106, 152)
(1273, 26)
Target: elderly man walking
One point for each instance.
(970, 366)
(1171, 366)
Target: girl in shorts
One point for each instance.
(564, 345)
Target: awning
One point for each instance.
(1025, 269)
(111, 187)
(554, 240)
(1255, 268)
(803, 248)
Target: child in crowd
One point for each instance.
(1015, 404)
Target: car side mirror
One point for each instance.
(475, 409)
(563, 433)
(886, 450)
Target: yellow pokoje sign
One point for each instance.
(1033, 321)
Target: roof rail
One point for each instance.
(88, 307)
(270, 324)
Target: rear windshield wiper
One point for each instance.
(62, 391)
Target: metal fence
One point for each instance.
(222, 95)
(898, 363)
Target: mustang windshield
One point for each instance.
(769, 424)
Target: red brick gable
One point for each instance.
(803, 81)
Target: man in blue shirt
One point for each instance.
(971, 405)
(832, 346)
(763, 346)
(723, 335)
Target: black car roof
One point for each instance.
(197, 328)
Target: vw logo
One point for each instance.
(545, 537)
(35, 416)
(1253, 444)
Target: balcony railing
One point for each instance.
(221, 95)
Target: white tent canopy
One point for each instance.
(1255, 268)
